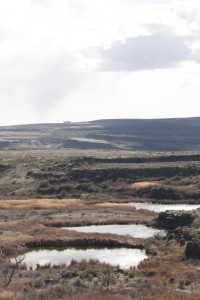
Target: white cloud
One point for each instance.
(146, 52)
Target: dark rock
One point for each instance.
(49, 281)
(193, 249)
(169, 220)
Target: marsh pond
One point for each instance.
(122, 257)
(134, 230)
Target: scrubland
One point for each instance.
(41, 191)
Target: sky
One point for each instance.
(80, 60)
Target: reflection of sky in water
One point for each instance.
(137, 231)
(123, 257)
(165, 207)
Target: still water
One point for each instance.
(123, 257)
(133, 230)
(165, 207)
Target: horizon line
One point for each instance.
(96, 120)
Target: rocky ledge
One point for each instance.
(171, 220)
(184, 227)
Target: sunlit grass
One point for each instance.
(40, 203)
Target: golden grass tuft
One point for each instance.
(143, 185)
(40, 203)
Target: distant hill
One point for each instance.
(181, 134)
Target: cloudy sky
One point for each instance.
(82, 60)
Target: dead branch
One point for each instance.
(8, 277)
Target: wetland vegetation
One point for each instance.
(43, 191)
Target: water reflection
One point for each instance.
(165, 207)
(123, 257)
(134, 230)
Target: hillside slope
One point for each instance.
(114, 134)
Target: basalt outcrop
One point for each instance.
(193, 248)
(184, 228)
(171, 220)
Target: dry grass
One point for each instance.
(143, 185)
(114, 205)
(9, 295)
(172, 295)
(163, 276)
(40, 203)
